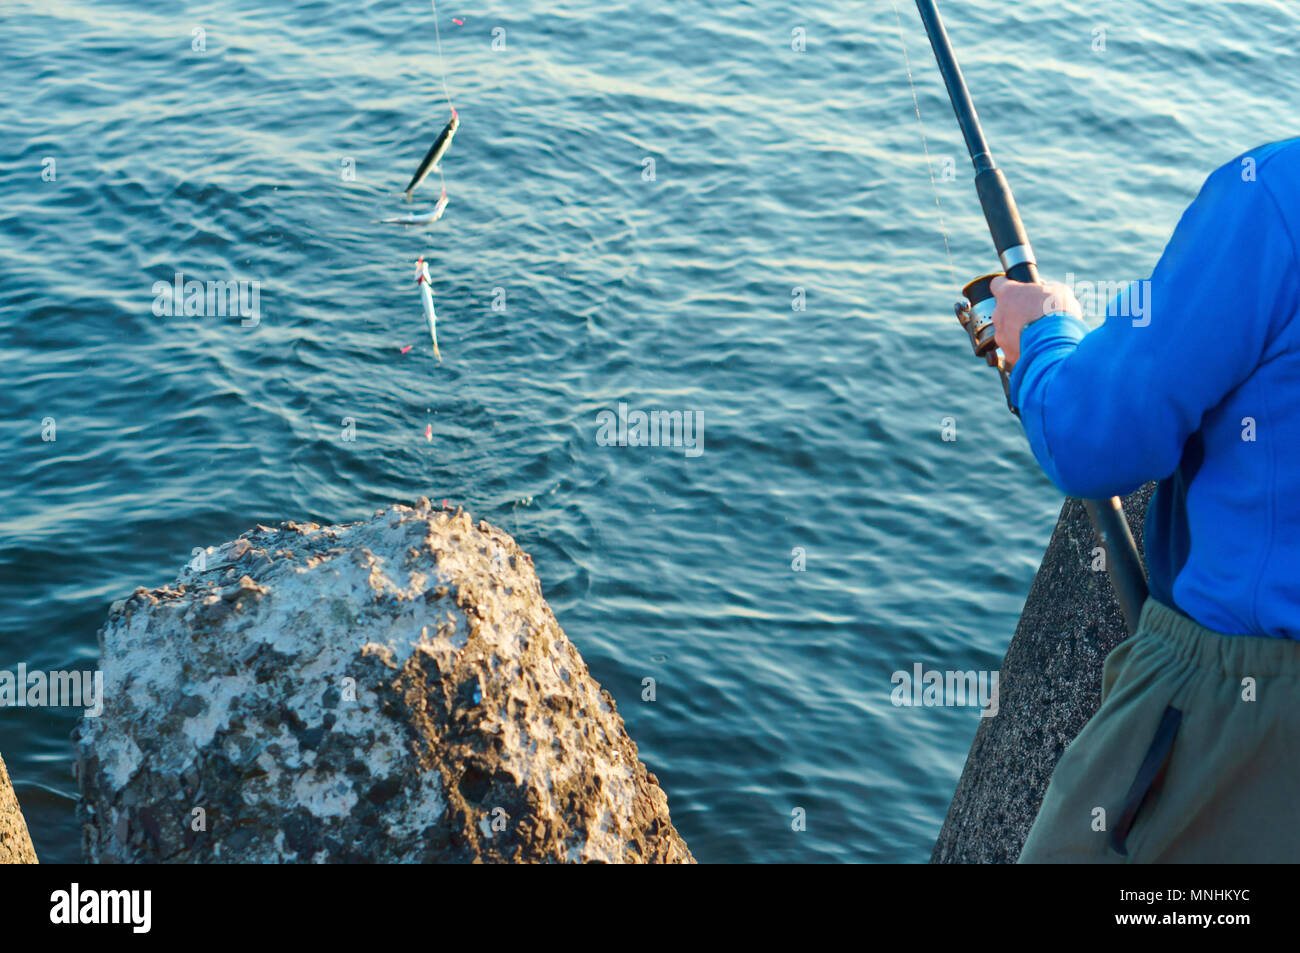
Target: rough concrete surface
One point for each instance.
(1050, 685)
(395, 690)
(15, 843)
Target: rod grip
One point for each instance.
(1004, 222)
(1128, 578)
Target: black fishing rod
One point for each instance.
(975, 313)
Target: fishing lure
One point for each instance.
(426, 295)
(436, 152)
(441, 206)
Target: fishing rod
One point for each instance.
(975, 311)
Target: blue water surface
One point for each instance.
(641, 196)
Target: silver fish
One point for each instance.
(426, 295)
(436, 152)
(419, 218)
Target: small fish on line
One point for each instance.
(428, 432)
(435, 153)
(419, 218)
(426, 295)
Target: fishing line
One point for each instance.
(441, 65)
(442, 68)
(925, 146)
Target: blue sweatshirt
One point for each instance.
(1195, 383)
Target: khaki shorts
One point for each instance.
(1193, 756)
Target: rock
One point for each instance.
(15, 843)
(395, 690)
(1049, 686)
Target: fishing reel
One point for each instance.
(975, 312)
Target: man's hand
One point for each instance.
(1021, 304)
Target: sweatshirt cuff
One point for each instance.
(1050, 332)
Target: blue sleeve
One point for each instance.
(1107, 410)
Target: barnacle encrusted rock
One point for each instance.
(15, 843)
(395, 690)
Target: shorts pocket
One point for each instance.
(1148, 778)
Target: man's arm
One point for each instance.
(1107, 410)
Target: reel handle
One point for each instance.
(975, 313)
